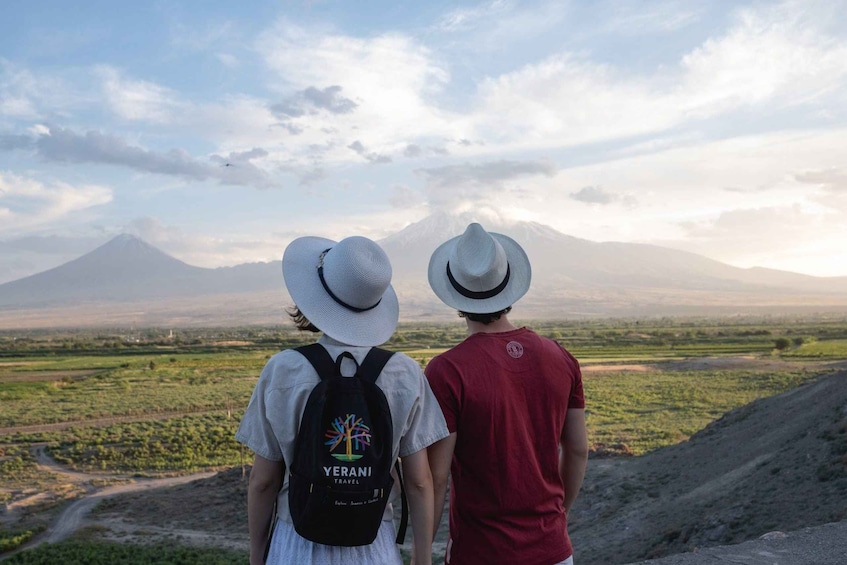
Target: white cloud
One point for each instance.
(228, 249)
(452, 187)
(498, 26)
(36, 95)
(204, 250)
(682, 193)
(789, 238)
(638, 18)
(391, 79)
(27, 204)
(772, 55)
(17, 91)
(228, 60)
(834, 179)
(831, 184)
(463, 19)
(404, 197)
(136, 100)
(770, 59)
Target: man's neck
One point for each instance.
(497, 326)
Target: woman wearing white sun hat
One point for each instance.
(343, 290)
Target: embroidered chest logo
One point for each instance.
(351, 432)
(514, 349)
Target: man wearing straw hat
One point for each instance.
(343, 290)
(514, 406)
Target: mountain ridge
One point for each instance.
(571, 277)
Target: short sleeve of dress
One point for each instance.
(255, 430)
(445, 384)
(425, 424)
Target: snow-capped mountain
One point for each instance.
(559, 259)
(571, 276)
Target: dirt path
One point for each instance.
(743, 362)
(74, 516)
(46, 463)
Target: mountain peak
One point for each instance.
(125, 238)
(128, 247)
(126, 241)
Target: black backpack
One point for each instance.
(340, 476)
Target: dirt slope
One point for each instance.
(779, 463)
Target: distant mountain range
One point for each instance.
(560, 259)
(571, 276)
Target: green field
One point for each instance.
(146, 404)
(832, 349)
(59, 390)
(632, 413)
(150, 404)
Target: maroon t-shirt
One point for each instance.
(506, 395)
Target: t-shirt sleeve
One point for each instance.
(447, 389)
(577, 397)
(255, 430)
(425, 424)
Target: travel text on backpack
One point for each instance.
(340, 477)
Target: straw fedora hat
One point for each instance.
(479, 272)
(343, 288)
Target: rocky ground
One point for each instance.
(779, 463)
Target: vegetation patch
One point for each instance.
(185, 444)
(17, 466)
(633, 413)
(108, 553)
(194, 383)
(831, 349)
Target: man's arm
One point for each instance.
(440, 457)
(574, 454)
(265, 482)
(417, 480)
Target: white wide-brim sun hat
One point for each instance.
(479, 272)
(343, 288)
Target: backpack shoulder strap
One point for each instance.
(404, 512)
(319, 358)
(373, 364)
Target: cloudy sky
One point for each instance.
(219, 131)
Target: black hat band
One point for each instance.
(474, 294)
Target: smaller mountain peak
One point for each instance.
(124, 240)
(127, 245)
(126, 237)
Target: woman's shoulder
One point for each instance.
(288, 368)
(285, 358)
(402, 362)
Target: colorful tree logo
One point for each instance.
(350, 430)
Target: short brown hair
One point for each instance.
(485, 318)
(300, 320)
